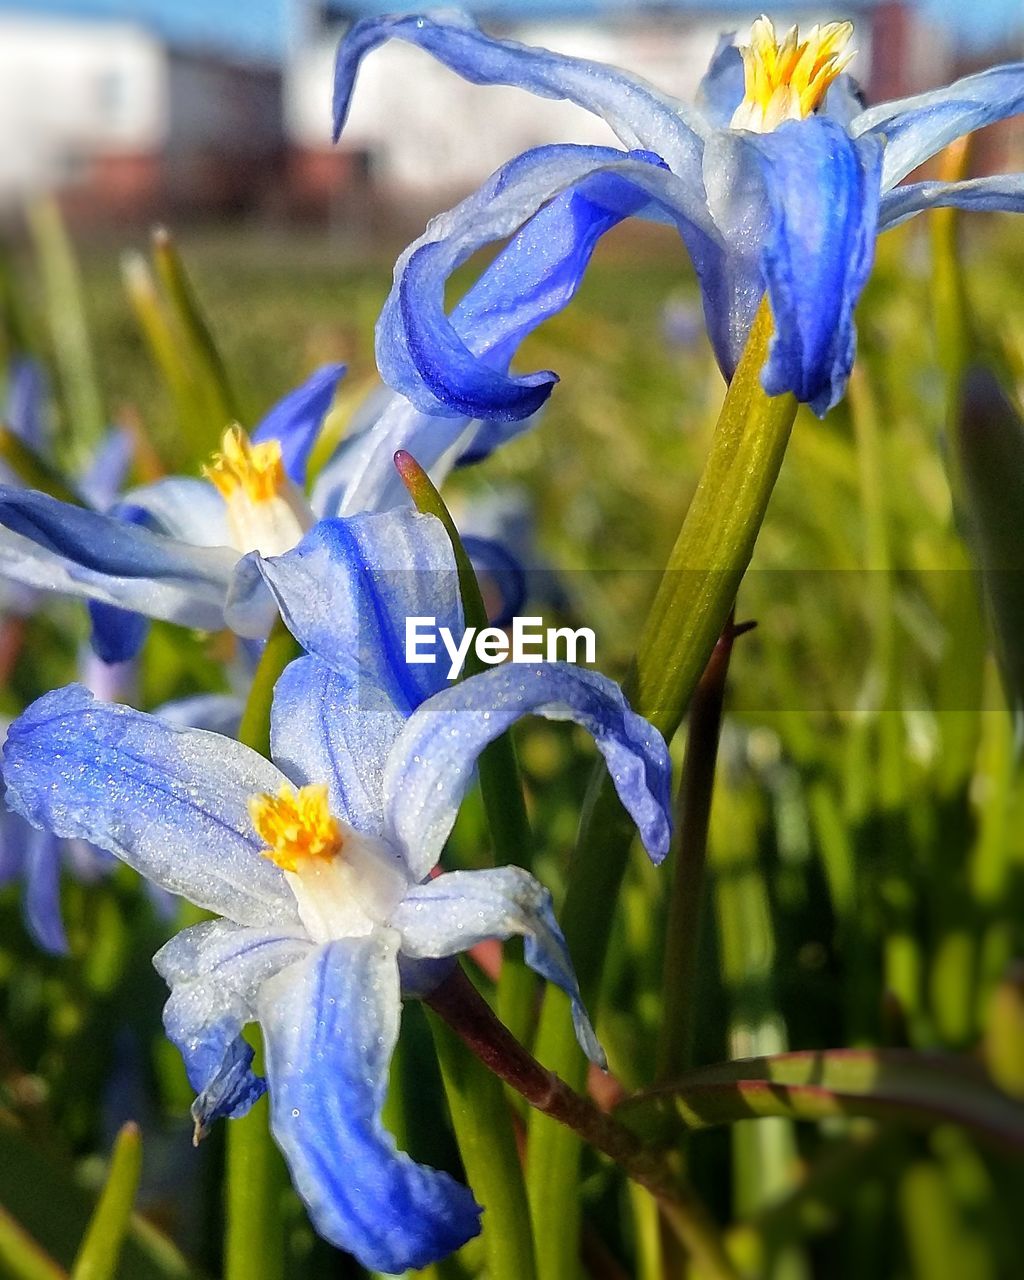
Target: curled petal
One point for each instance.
(346, 591)
(431, 766)
(59, 547)
(296, 419)
(638, 114)
(456, 911)
(330, 1024)
(1000, 193)
(335, 728)
(215, 971)
(172, 803)
(918, 127)
(456, 366)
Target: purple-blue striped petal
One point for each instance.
(330, 1024)
(637, 113)
(431, 766)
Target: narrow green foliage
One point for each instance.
(483, 1129)
(21, 1258)
(202, 357)
(69, 327)
(895, 1085)
(98, 1257)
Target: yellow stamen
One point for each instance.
(787, 79)
(256, 469)
(295, 825)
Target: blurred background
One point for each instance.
(200, 109)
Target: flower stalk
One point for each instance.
(457, 1002)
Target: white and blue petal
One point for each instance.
(722, 86)
(455, 911)
(330, 1024)
(335, 728)
(296, 419)
(431, 766)
(638, 114)
(918, 127)
(361, 475)
(171, 803)
(59, 547)
(182, 507)
(346, 591)
(999, 193)
(215, 971)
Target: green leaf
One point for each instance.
(894, 1085)
(86, 418)
(21, 1258)
(39, 1191)
(101, 1249)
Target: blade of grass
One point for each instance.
(101, 1249)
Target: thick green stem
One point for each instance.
(692, 604)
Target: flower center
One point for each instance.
(787, 79)
(345, 883)
(296, 825)
(266, 510)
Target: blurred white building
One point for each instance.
(424, 132)
(122, 121)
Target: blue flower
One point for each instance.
(169, 550)
(319, 862)
(778, 181)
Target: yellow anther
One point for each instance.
(787, 79)
(255, 469)
(295, 825)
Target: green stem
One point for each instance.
(687, 893)
(477, 1102)
(488, 1149)
(692, 604)
(254, 1239)
(100, 1250)
(470, 1017)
